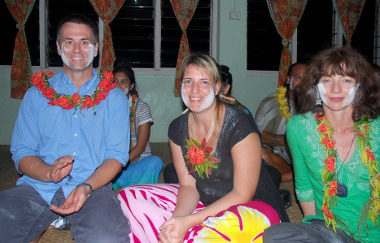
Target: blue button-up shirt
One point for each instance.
(91, 136)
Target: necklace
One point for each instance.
(329, 176)
(67, 102)
(211, 129)
(132, 115)
(342, 189)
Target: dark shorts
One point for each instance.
(24, 216)
(314, 232)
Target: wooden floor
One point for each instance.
(9, 176)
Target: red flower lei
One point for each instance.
(329, 177)
(199, 157)
(132, 115)
(67, 102)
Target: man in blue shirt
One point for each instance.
(71, 138)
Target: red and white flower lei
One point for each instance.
(67, 102)
(329, 177)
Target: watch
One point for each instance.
(88, 186)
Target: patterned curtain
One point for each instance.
(107, 10)
(349, 13)
(286, 15)
(184, 11)
(21, 66)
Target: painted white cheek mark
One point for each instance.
(183, 96)
(351, 95)
(126, 90)
(291, 83)
(91, 56)
(208, 100)
(63, 56)
(322, 92)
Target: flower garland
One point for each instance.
(132, 114)
(67, 102)
(329, 176)
(283, 102)
(199, 158)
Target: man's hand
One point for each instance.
(174, 230)
(61, 168)
(74, 201)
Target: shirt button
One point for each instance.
(88, 87)
(75, 134)
(75, 153)
(75, 116)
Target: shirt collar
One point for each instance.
(64, 85)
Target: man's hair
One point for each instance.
(226, 77)
(290, 70)
(343, 61)
(79, 19)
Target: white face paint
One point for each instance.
(66, 60)
(126, 90)
(208, 100)
(322, 92)
(63, 56)
(92, 54)
(291, 83)
(349, 99)
(351, 95)
(183, 96)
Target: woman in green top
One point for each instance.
(335, 146)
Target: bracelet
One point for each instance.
(88, 186)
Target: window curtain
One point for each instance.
(286, 15)
(21, 65)
(107, 10)
(184, 11)
(349, 15)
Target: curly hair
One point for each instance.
(343, 61)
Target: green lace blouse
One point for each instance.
(307, 154)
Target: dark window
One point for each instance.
(133, 32)
(198, 32)
(315, 29)
(58, 9)
(363, 37)
(8, 32)
(264, 42)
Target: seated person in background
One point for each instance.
(227, 82)
(335, 146)
(271, 118)
(170, 175)
(143, 168)
(217, 155)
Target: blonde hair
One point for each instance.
(210, 66)
(203, 62)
